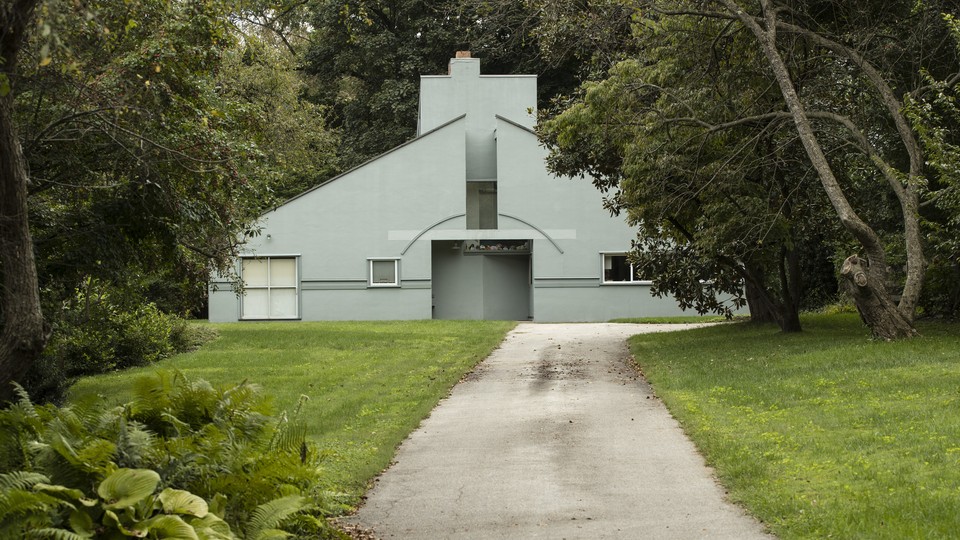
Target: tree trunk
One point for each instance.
(765, 308)
(24, 333)
(873, 302)
(790, 290)
(886, 324)
(762, 310)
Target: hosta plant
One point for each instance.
(182, 460)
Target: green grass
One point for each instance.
(825, 433)
(672, 320)
(369, 383)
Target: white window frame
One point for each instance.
(396, 272)
(633, 272)
(268, 287)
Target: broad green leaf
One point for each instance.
(177, 501)
(218, 506)
(59, 492)
(210, 527)
(111, 519)
(272, 534)
(165, 526)
(81, 523)
(126, 487)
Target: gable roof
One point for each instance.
(515, 124)
(365, 163)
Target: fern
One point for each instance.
(135, 444)
(19, 502)
(290, 435)
(267, 517)
(29, 409)
(20, 480)
(20, 423)
(22, 511)
(50, 533)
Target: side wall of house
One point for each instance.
(374, 211)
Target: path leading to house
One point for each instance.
(553, 436)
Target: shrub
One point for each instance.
(96, 332)
(186, 337)
(221, 449)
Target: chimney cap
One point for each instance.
(463, 54)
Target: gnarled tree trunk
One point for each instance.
(876, 308)
(24, 334)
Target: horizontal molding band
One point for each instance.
(565, 284)
(360, 284)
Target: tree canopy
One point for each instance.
(152, 135)
(728, 100)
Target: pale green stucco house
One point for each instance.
(462, 222)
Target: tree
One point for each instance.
(297, 149)
(365, 57)
(693, 156)
(868, 60)
(24, 331)
(155, 134)
(934, 113)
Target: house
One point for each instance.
(462, 222)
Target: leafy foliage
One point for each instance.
(365, 57)
(100, 329)
(934, 114)
(213, 454)
(718, 202)
(696, 139)
(154, 133)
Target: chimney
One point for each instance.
(459, 55)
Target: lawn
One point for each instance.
(681, 319)
(369, 384)
(825, 433)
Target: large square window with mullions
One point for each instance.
(270, 288)
(617, 270)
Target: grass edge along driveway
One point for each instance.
(823, 433)
(369, 384)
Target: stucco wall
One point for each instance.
(373, 211)
(570, 211)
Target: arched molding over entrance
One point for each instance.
(534, 227)
(455, 216)
(423, 232)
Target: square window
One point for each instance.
(383, 273)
